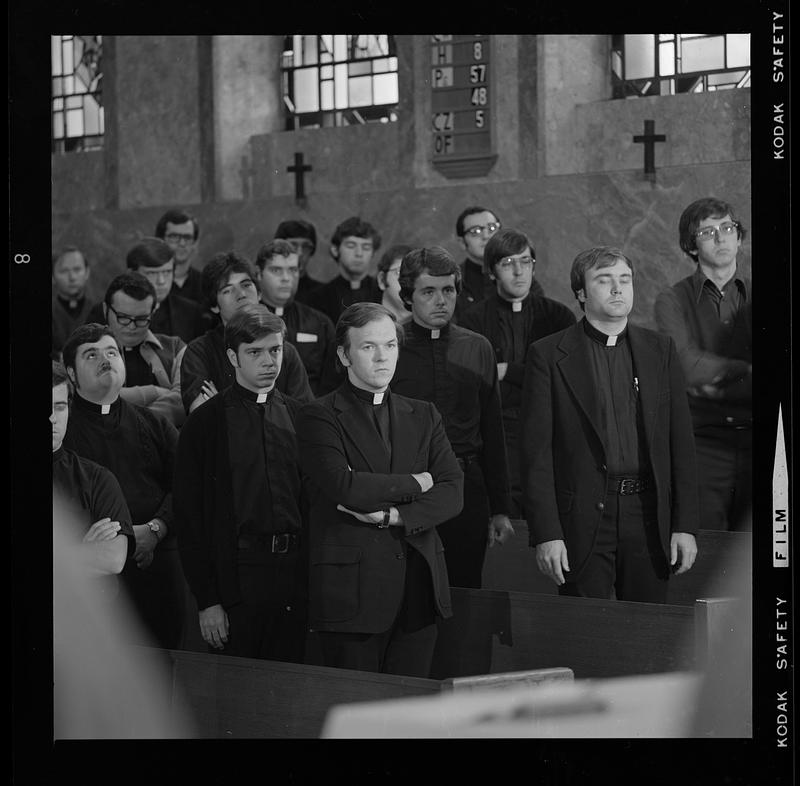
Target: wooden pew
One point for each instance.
(230, 698)
(493, 631)
(723, 567)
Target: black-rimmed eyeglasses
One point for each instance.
(125, 319)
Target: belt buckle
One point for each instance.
(627, 486)
(280, 543)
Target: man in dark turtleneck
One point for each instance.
(382, 477)
(608, 461)
(138, 446)
(456, 370)
(238, 502)
(511, 318)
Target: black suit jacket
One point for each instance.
(357, 570)
(563, 457)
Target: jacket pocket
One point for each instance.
(335, 578)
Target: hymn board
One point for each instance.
(461, 105)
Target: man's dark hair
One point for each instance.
(134, 285)
(68, 250)
(176, 216)
(357, 316)
(355, 227)
(60, 378)
(434, 260)
(251, 323)
(708, 207)
(598, 256)
(273, 248)
(83, 334)
(504, 243)
(149, 252)
(297, 228)
(217, 272)
(469, 211)
(397, 251)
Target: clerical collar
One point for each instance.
(368, 396)
(603, 338)
(351, 283)
(250, 395)
(279, 311)
(71, 302)
(98, 409)
(430, 333)
(515, 306)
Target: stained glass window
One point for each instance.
(77, 96)
(670, 63)
(339, 80)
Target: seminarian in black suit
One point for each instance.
(610, 475)
(381, 475)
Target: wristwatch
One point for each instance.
(155, 528)
(386, 516)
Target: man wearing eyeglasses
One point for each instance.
(309, 330)
(181, 231)
(152, 361)
(175, 315)
(455, 369)
(353, 244)
(303, 237)
(709, 316)
(474, 228)
(512, 318)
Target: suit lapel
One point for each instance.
(576, 369)
(361, 436)
(405, 433)
(648, 368)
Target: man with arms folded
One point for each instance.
(382, 476)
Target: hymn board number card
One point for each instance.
(461, 105)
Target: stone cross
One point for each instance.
(299, 169)
(649, 139)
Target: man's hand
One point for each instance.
(683, 551)
(105, 529)
(146, 542)
(373, 517)
(214, 626)
(425, 480)
(208, 389)
(502, 368)
(551, 557)
(500, 529)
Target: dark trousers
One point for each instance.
(270, 621)
(627, 557)
(464, 537)
(725, 477)
(511, 428)
(394, 651)
(156, 595)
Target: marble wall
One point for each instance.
(568, 172)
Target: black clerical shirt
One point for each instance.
(456, 370)
(618, 401)
(263, 458)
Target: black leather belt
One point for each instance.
(277, 543)
(467, 459)
(626, 486)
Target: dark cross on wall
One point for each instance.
(299, 169)
(649, 139)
